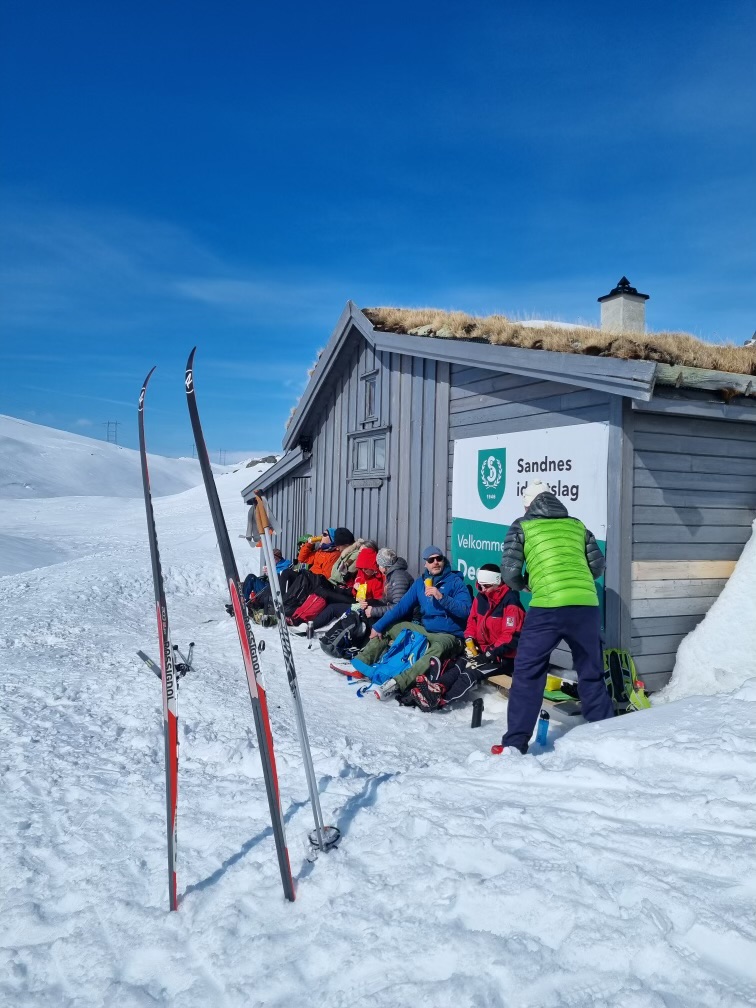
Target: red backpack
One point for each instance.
(309, 609)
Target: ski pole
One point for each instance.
(323, 837)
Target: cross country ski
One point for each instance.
(167, 666)
(246, 639)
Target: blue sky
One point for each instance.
(229, 174)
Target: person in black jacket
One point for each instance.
(398, 582)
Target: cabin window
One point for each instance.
(370, 411)
(368, 454)
(370, 405)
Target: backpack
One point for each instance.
(299, 588)
(345, 636)
(309, 609)
(403, 653)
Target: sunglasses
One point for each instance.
(434, 559)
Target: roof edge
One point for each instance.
(351, 315)
(634, 379)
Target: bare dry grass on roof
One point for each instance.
(662, 348)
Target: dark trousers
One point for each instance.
(580, 627)
(331, 612)
(461, 676)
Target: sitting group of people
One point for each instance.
(469, 638)
(339, 575)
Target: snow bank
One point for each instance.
(38, 461)
(720, 654)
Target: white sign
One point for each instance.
(491, 472)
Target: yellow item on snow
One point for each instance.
(553, 683)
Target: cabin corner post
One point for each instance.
(619, 532)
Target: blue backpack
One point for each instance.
(404, 652)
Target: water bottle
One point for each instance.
(543, 728)
(477, 712)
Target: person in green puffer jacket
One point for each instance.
(557, 559)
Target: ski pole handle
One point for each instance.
(261, 515)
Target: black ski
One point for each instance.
(167, 667)
(246, 640)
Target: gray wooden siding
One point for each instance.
(408, 509)
(694, 499)
(485, 403)
(289, 500)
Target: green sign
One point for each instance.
(492, 476)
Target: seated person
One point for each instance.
(321, 553)
(367, 589)
(494, 626)
(444, 604)
(397, 581)
(253, 585)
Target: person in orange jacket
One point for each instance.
(322, 552)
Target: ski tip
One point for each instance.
(144, 387)
(190, 359)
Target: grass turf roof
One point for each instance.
(663, 348)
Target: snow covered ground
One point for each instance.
(613, 869)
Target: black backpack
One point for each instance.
(299, 588)
(345, 637)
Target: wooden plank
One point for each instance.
(520, 394)
(487, 383)
(442, 468)
(661, 515)
(659, 607)
(695, 480)
(677, 588)
(695, 445)
(663, 644)
(700, 378)
(686, 551)
(537, 422)
(739, 411)
(507, 410)
(690, 427)
(656, 496)
(619, 528)
(607, 374)
(691, 534)
(647, 664)
(664, 461)
(649, 570)
(654, 681)
(655, 626)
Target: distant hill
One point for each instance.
(38, 461)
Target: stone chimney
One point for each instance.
(623, 309)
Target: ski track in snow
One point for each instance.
(614, 869)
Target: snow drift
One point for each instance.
(720, 654)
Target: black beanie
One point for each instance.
(342, 537)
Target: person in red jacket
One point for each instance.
(494, 626)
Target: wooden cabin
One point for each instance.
(418, 437)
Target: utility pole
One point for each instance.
(222, 456)
(111, 432)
